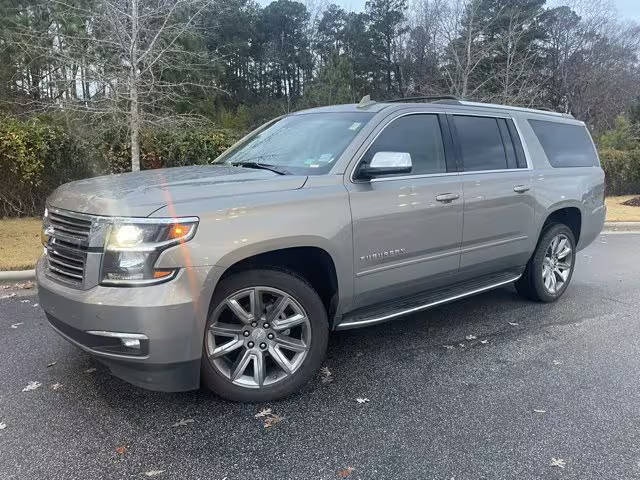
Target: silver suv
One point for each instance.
(233, 274)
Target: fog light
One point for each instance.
(129, 340)
(131, 343)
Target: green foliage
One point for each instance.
(624, 136)
(39, 154)
(333, 85)
(619, 150)
(35, 157)
(622, 169)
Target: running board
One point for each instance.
(396, 308)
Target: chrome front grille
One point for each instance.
(67, 246)
(73, 228)
(66, 263)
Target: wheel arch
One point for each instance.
(308, 257)
(568, 214)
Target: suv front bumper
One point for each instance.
(168, 318)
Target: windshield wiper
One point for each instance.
(262, 166)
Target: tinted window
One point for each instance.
(418, 135)
(565, 145)
(480, 143)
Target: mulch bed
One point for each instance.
(632, 202)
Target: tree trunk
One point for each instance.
(134, 112)
(134, 126)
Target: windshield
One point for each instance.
(304, 144)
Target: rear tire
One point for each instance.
(252, 353)
(550, 269)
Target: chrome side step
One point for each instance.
(367, 317)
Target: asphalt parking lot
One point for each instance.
(541, 392)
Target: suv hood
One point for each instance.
(139, 194)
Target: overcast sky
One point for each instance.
(627, 9)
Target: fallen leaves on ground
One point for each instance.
(513, 324)
(537, 410)
(90, 370)
(362, 400)
(31, 386)
(326, 375)
(345, 472)
(121, 450)
(56, 386)
(558, 462)
(470, 337)
(182, 422)
(271, 420)
(153, 473)
(263, 413)
(16, 325)
(49, 365)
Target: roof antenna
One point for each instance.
(365, 102)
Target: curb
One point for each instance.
(621, 227)
(15, 275)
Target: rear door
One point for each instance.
(498, 212)
(407, 229)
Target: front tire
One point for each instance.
(265, 337)
(550, 269)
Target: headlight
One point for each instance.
(132, 248)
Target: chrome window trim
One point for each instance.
(453, 111)
(407, 177)
(505, 117)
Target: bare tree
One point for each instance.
(125, 59)
(462, 32)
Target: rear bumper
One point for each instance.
(170, 317)
(592, 225)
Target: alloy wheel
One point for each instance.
(557, 263)
(258, 336)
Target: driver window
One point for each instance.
(418, 135)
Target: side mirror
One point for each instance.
(386, 163)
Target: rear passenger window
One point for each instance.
(565, 145)
(481, 143)
(420, 136)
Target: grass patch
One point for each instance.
(20, 244)
(617, 212)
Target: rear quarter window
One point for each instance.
(565, 145)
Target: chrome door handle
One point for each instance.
(521, 188)
(447, 197)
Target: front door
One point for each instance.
(407, 229)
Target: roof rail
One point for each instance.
(519, 109)
(430, 98)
